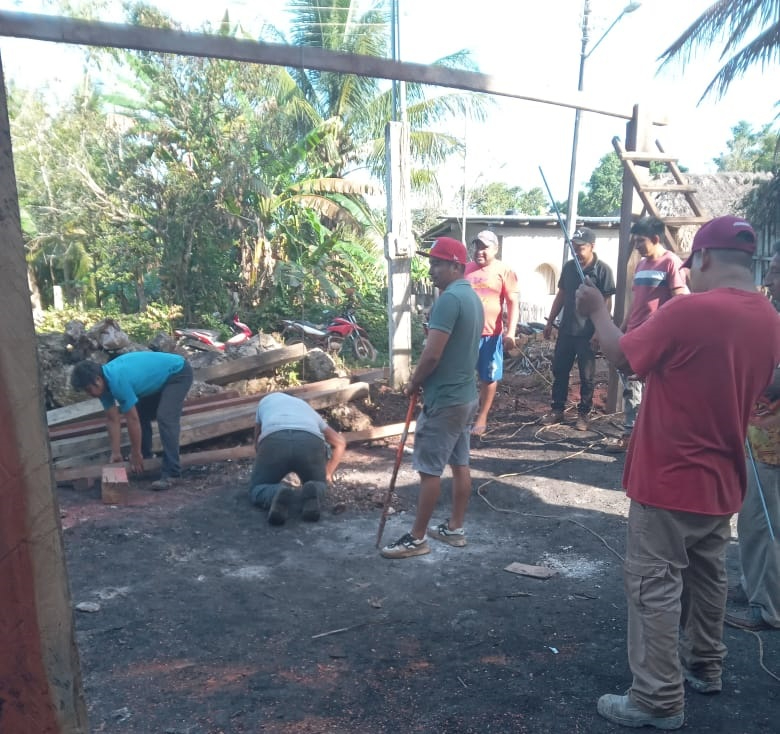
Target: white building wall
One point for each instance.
(536, 257)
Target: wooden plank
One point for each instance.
(39, 665)
(372, 434)
(115, 35)
(78, 474)
(649, 157)
(114, 485)
(246, 367)
(77, 411)
(670, 188)
(204, 426)
(87, 408)
(684, 221)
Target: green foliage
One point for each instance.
(140, 327)
(500, 198)
(604, 190)
(750, 150)
(731, 21)
(762, 205)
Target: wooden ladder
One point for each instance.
(644, 189)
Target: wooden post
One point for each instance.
(399, 249)
(114, 487)
(40, 684)
(636, 139)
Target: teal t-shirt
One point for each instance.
(135, 375)
(458, 312)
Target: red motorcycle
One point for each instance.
(331, 337)
(209, 339)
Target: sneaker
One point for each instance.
(702, 685)
(310, 511)
(277, 512)
(552, 418)
(164, 483)
(406, 547)
(582, 423)
(452, 537)
(752, 620)
(623, 711)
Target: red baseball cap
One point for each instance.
(447, 248)
(723, 233)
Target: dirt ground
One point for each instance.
(206, 620)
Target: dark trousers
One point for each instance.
(567, 349)
(165, 407)
(283, 452)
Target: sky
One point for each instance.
(537, 41)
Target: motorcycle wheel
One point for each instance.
(364, 349)
(334, 344)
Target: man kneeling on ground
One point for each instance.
(290, 436)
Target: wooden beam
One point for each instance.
(236, 453)
(246, 367)
(139, 38)
(40, 679)
(204, 427)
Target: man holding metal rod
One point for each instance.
(705, 359)
(758, 523)
(575, 332)
(446, 374)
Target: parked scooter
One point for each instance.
(331, 337)
(209, 339)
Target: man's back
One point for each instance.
(706, 358)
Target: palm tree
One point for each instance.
(732, 19)
(355, 109)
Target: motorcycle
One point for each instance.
(331, 337)
(209, 339)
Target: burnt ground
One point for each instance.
(210, 621)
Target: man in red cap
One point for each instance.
(496, 285)
(705, 359)
(446, 375)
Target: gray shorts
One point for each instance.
(442, 436)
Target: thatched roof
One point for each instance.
(719, 193)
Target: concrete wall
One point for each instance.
(536, 255)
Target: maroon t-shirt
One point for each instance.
(705, 358)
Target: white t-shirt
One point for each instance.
(279, 412)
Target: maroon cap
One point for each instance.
(723, 233)
(446, 248)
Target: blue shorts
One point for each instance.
(442, 436)
(490, 364)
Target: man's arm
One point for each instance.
(555, 309)
(338, 444)
(134, 432)
(591, 303)
(682, 291)
(512, 300)
(114, 429)
(258, 431)
(429, 360)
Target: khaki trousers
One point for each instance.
(759, 555)
(675, 582)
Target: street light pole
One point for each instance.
(571, 210)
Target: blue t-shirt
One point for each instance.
(136, 375)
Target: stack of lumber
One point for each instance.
(79, 441)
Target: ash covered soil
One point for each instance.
(210, 621)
